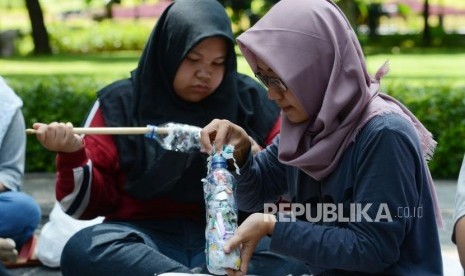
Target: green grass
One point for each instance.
(423, 67)
(108, 65)
(417, 68)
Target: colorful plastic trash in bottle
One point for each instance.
(176, 137)
(221, 215)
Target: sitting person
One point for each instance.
(349, 157)
(152, 199)
(19, 213)
(458, 232)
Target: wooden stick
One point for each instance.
(111, 130)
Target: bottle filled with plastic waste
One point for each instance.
(221, 214)
(175, 136)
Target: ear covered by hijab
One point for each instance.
(319, 49)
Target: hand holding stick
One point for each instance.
(65, 138)
(111, 130)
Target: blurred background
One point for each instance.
(56, 54)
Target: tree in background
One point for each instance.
(351, 10)
(375, 11)
(108, 7)
(426, 28)
(357, 11)
(243, 9)
(39, 31)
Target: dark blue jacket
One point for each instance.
(382, 219)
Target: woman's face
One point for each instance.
(281, 94)
(202, 70)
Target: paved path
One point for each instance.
(41, 187)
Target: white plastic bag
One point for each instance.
(56, 232)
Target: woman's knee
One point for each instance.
(89, 244)
(22, 203)
(92, 249)
(75, 252)
(20, 210)
(30, 206)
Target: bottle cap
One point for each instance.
(218, 161)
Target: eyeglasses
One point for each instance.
(270, 81)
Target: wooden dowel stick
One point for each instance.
(110, 130)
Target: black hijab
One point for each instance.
(148, 98)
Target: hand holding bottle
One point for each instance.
(247, 237)
(223, 132)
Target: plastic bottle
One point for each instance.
(174, 136)
(221, 212)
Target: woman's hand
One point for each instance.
(247, 236)
(58, 137)
(255, 147)
(223, 132)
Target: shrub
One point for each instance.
(53, 99)
(442, 110)
(104, 36)
(440, 107)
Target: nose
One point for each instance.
(274, 93)
(203, 73)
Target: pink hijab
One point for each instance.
(312, 47)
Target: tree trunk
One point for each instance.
(109, 10)
(349, 8)
(426, 29)
(39, 31)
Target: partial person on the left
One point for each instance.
(19, 213)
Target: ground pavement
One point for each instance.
(41, 187)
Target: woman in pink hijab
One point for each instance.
(351, 160)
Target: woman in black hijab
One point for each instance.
(152, 199)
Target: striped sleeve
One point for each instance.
(75, 203)
(87, 179)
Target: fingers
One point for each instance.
(255, 146)
(232, 243)
(232, 272)
(247, 236)
(216, 133)
(246, 253)
(207, 136)
(222, 132)
(228, 247)
(58, 137)
(7, 244)
(41, 133)
(36, 126)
